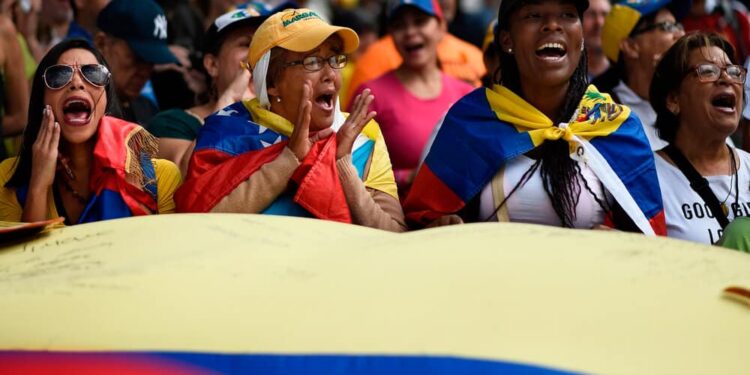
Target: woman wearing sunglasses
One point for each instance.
(541, 146)
(77, 161)
(291, 151)
(697, 92)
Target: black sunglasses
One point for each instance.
(58, 76)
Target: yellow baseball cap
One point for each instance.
(297, 30)
(617, 26)
(489, 35)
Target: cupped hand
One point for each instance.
(354, 124)
(44, 152)
(300, 141)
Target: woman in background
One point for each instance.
(414, 97)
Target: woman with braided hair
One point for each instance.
(541, 146)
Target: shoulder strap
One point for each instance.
(698, 183)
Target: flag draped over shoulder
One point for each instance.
(489, 127)
(239, 139)
(123, 178)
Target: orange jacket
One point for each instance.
(457, 58)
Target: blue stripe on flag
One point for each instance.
(472, 145)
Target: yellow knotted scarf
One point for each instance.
(597, 115)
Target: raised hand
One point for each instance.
(358, 118)
(239, 89)
(300, 141)
(44, 153)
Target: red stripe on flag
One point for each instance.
(430, 199)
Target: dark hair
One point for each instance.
(670, 72)
(36, 105)
(558, 171)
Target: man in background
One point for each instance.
(133, 38)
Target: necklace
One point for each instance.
(70, 176)
(733, 183)
(74, 192)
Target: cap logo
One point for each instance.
(160, 26)
(239, 14)
(293, 17)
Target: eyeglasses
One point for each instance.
(708, 72)
(667, 27)
(315, 63)
(58, 76)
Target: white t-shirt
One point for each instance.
(688, 216)
(531, 204)
(645, 113)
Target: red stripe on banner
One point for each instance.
(93, 364)
(431, 200)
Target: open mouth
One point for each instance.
(77, 111)
(414, 47)
(725, 102)
(325, 101)
(551, 51)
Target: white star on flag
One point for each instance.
(224, 112)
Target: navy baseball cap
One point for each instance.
(250, 14)
(507, 7)
(142, 24)
(430, 7)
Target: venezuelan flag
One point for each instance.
(488, 127)
(122, 150)
(236, 141)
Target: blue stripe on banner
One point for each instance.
(637, 170)
(310, 364)
(472, 145)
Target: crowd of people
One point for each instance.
(588, 114)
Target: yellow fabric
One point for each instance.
(168, 179)
(592, 120)
(617, 26)
(582, 301)
(380, 174)
(489, 35)
(296, 30)
(10, 209)
(29, 64)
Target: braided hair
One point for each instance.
(560, 175)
